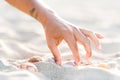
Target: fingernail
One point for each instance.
(58, 63)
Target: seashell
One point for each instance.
(34, 59)
(105, 66)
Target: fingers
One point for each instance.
(99, 36)
(84, 41)
(73, 46)
(56, 53)
(93, 37)
(95, 40)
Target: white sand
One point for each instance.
(22, 37)
(48, 70)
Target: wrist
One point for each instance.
(47, 17)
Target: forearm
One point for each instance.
(34, 8)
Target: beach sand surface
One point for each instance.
(22, 37)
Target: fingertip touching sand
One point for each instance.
(25, 55)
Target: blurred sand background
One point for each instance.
(22, 36)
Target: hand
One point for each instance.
(57, 29)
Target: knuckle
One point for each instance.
(91, 33)
(68, 34)
(75, 28)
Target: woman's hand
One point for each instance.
(57, 29)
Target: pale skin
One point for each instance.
(57, 30)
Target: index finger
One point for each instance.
(56, 53)
(70, 40)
